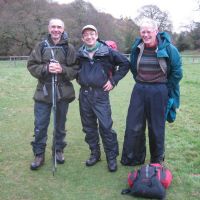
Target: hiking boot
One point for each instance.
(94, 158)
(38, 162)
(60, 157)
(112, 165)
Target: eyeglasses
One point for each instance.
(89, 34)
(147, 31)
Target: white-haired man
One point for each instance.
(157, 69)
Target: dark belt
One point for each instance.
(90, 88)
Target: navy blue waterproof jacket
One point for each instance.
(96, 72)
(169, 52)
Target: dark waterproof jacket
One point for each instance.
(96, 72)
(38, 67)
(169, 60)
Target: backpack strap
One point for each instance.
(45, 44)
(126, 191)
(65, 49)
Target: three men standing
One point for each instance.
(156, 67)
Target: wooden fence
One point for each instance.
(187, 59)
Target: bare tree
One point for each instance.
(198, 4)
(24, 23)
(153, 12)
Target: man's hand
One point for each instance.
(108, 86)
(55, 67)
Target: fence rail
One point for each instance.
(187, 59)
(191, 59)
(13, 58)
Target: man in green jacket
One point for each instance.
(42, 67)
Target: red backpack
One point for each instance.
(150, 181)
(164, 175)
(111, 44)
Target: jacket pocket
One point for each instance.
(43, 93)
(66, 91)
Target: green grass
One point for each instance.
(74, 181)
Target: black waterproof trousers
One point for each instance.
(95, 112)
(42, 113)
(147, 106)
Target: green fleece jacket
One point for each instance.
(38, 67)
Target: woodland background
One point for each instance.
(24, 22)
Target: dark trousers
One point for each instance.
(95, 112)
(147, 106)
(42, 112)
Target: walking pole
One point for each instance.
(54, 95)
(54, 84)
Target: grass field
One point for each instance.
(74, 181)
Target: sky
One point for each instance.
(180, 12)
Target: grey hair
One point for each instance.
(50, 21)
(149, 23)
